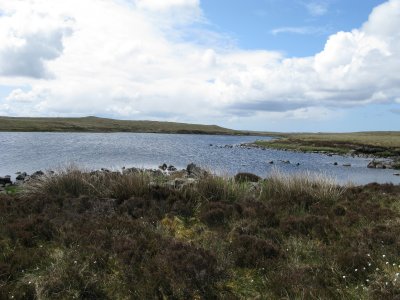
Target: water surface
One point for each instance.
(44, 151)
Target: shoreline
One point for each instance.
(381, 157)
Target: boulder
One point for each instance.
(21, 176)
(335, 163)
(285, 161)
(130, 171)
(171, 168)
(5, 180)
(195, 171)
(37, 174)
(163, 167)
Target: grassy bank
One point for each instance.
(379, 144)
(94, 124)
(135, 236)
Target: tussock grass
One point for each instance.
(73, 181)
(215, 188)
(301, 186)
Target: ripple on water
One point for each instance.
(40, 151)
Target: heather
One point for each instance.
(146, 235)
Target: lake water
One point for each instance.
(30, 152)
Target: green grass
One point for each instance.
(12, 190)
(380, 144)
(132, 236)
(94, 124)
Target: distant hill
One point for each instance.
(94, 124)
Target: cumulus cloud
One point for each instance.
(26, 47)
(112, 57)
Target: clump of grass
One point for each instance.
(73, 181)
(300, 190)
(214, 188)
(69, 181)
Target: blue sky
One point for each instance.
(299, 65)
(252, 23)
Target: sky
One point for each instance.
(270, 65)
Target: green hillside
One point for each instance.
(94, 124)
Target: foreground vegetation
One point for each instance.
(93, 124)
(107, 235)
(379, 144)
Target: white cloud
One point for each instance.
(111, 57)
(317, 8)
(26, 47)
(164, 5)
(300, 30)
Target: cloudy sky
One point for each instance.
(283, 65)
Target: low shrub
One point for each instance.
(250, 251)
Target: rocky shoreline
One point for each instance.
(376, 163)
(178, 178)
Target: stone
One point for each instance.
(195, 171)
(21, 176)
(271, 162)
(163, 167)
(130, 171)
(37, 174)
(346, 165)
(335, 163)
(4, 180)
(381, 164)
(171, 168)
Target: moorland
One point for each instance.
(138, 234)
